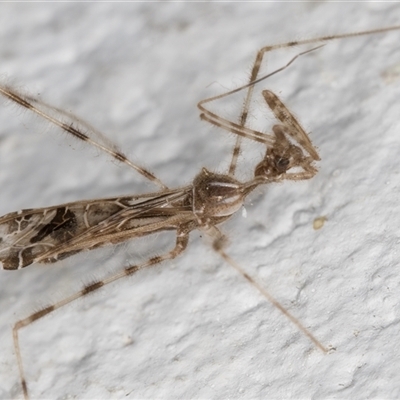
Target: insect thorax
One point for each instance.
(216, 195)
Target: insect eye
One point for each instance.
(281, 164)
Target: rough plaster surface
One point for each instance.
(193, 328)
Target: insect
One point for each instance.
(47, 235)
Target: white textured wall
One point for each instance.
(193, 328)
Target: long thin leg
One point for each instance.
(281, 112)
(218, 245)
(275, 302)
(256, 68)
(182, 239)
(236, 128)
(233, 127)
(76, 127)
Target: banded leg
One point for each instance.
(233, 127)
(239, 128)
(218, 245)
(182, 239)
(77, 128)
